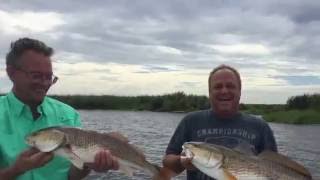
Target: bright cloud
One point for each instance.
(156, 47)
(247, 49)
(20, 21)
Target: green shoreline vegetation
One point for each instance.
(304, 109)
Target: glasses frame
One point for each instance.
(53, 79)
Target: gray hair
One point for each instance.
(18, 47)
(223, 66)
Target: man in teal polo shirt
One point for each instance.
(27, 109)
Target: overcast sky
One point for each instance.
(151, 47)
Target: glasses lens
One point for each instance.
(40, 77)
(35, 76)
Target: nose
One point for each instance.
(224, 89)
(44, 84)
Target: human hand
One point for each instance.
(164, 174)
(31, 159)
(103, 162)
(186, 162)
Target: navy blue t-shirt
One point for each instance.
(204, 126)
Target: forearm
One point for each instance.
(173, 163)
(10, 173)
(76, 174)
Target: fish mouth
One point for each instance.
(28, 141)
(189, 154)
(186, 151)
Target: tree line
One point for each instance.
(306, 101)
(179, 102)
(175, 102)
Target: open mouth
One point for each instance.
(40, 90)
(225, 99)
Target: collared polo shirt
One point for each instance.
(16, 122)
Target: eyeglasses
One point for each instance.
(40, 77)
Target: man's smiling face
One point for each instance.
(224, 92)
(33, 78)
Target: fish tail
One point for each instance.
(155, 169)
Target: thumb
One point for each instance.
(42, 156)
(29, 152)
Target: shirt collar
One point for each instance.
(18, 106)
(42, 107)
(228, 119)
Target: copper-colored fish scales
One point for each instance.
(242, 165)
(80, 147)
(87, 139)
(224, 163)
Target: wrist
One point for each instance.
(16, 170)
(10, 173)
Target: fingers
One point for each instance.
(187, 163)
(104, 161)
(41, 157)
(29, 152)
(111, 161)
(101, 161)
(115, 163)
(30, 159)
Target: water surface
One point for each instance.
(151, 131)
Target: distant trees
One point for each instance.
(177, 101)
(181, 102)
(304, 102)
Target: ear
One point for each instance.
(10, 71)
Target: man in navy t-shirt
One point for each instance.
(223, 124)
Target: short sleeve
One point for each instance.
(269, 142)
(77, 120)
(178, 138)
(69, 116)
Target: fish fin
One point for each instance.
(127, 170)
(139, 151)
(285, 161)
(153, 169)
(67, 153)
(77, 163)
(228, 175)
(124, 139)
(119, 136)
(74, 158)
(245, 148)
